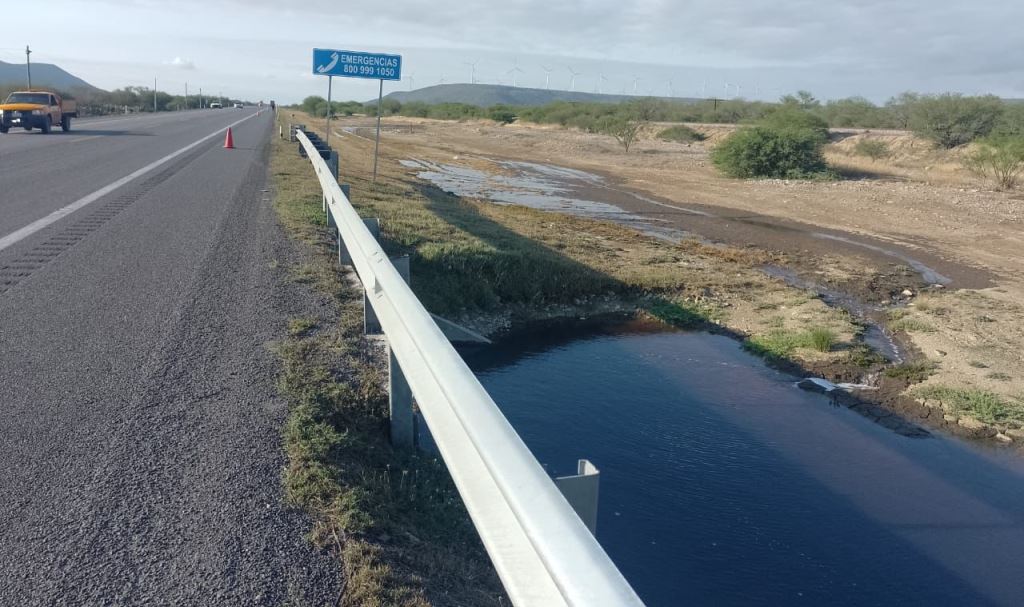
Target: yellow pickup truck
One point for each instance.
(37, 109)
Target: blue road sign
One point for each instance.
(353, 64)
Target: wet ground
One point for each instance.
(723, 484)
(553, 188)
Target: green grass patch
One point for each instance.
(299, 327)
(684, 314)
(910, 324)
(984, 406)
(681, 134)
(913, 372)
(780, 344)
(821, 339)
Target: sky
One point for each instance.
(756, 49)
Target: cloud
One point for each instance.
(181, 64)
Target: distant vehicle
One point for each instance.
(37, 109)
(215, 105)
(238, 105)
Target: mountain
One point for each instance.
(43, 75)
(485, 95)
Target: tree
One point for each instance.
(899, 108)
(952, 119)
(999, 160)
(762, 151)
(854, 112)
(624, 130)
(803, 100)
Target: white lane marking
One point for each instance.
(39, 224)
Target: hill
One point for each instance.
(485, 95)
(43, 75)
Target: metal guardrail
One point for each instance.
(542, 551)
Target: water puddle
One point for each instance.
(723, 484)
(539, 186)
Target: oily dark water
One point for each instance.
(723, 484)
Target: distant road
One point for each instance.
(140, 430)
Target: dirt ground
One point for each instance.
(850, 235)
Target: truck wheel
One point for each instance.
(65, 123)
(47, 124)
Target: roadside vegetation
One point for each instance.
(783, 140)
(393, 518)
(135, 98)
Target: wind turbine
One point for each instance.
(600, 88)
(671, 93)
(572, 79)
(636, 80)
(515, 71)
(441, 81)
(412, 79)
(547, 76)
(472, 70)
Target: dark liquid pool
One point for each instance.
(723, 484)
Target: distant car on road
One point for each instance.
(215, 105)
(37, 109)
(238, 105)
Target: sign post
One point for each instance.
(330, 80)
(353, 64)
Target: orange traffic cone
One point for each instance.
(229, 142)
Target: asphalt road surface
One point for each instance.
(140, 448)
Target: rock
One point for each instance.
(816, 384)
(950, 418)
(940, 353)
(971, 424)
(1003, 438)
(907, 293)
(1017, 433)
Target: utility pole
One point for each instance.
(200, 97)
(186, 95)
(154, 95)
(28, 66)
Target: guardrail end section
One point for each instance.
(580, 490)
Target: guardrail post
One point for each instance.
(331, 223)
(345, 189)
(371, 326)
(403, 422)
(332, 163)
(580, 491)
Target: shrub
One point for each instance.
(624, 130)
(789, 118)
(502, 114)
(872, 148)
(999, 160)
(760, 151)
(681, 134)
(952, 119)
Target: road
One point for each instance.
(139, 421)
